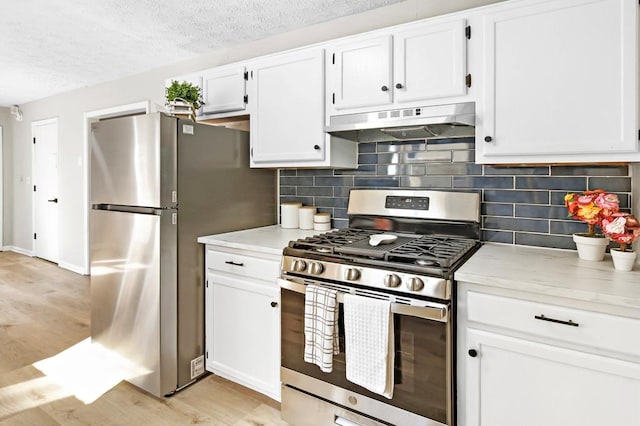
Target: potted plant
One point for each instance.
(624, 229)
(591, 207)
(183, 98)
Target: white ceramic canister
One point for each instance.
(305, 217)
(322, 221)
(289, 217)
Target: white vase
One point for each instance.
(623, 260)
(590, 247)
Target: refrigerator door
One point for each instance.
(133, 161)
(133, 292)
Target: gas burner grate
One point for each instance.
(327, 242)
(444, 250)
(436, 253)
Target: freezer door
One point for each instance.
(133, 161)
(133, 292)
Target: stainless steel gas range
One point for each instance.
(403, 247)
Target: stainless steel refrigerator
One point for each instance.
(157, 183)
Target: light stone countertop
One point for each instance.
(267, 239)
(554, 272)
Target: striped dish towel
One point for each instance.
(320, 326)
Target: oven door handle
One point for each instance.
(426, 310)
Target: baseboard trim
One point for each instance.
(73, 268)
(18, 250)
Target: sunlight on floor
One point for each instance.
(85, 371)
(29, 394)
(88, 370)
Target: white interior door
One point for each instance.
(45, 189)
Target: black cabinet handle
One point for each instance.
(274, 304)
(473, 353)
(384, 88)
(488, 138)
(316, 147)
(231, 262)
(399, 86)
(557, 321)
(54, 200)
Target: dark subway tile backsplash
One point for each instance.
(520, 204)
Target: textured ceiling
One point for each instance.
(53, 46)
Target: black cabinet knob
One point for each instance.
(384, 88)
(274, 304)
(473, 353)
(316, 147)
(488, 138)
(399, 86)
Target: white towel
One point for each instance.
(320, 326)
(369, 345)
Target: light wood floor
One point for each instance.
(45, 310)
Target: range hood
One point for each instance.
(431, 122)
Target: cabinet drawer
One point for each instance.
(592, 329)
(247, 266)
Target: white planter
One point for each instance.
(590, 248)
(623, 260)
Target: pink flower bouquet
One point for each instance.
(591, 207)
(622, 228)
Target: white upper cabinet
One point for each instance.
(224, 90)
(560, 82)
(414, 65)
(286, 95)
(430, 62)
(362, 73)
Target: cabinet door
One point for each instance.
(361, 73)
(287, 108)
(224, 90)
(430, 62)
(517, 382)
(560, 81)
(244, 325)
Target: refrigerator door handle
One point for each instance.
(128, 209)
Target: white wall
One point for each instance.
(70, 107)
(6, 121)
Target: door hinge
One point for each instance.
(206, 354)
(246, 99)
(333, 58)
(251, 152)
(467, 80)
(246, 75)
(34, 188)
(333, 98)
(467, 32)
(34, 236)
(639, 134)
(34, 140)
(206, 283)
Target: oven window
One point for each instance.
(420, 359)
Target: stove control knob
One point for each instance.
(299, 265)
(316, 268)
(352, 274)
(392, 280)
(415, 284)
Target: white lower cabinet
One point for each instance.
(242, 317)
(518, 365)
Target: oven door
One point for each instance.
(422, 391)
